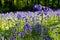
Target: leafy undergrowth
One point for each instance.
(30, 25)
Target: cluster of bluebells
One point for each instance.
(19, 25)
(19, 22)
(42, 9)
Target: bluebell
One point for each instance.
(38, 28)
(47, 38)
(12, 38)
(18, 16)
(20, 33)
(37, 7)
(27, 27)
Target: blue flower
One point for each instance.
(38, 28)
(47, 37)
(57, 12)
(18, 16)
(27, 27)
(25, 19)
(20, 33)
(40, 13)
(2, 15)
(46, 10)
(12, 38)
(37, 7)
(38, 31)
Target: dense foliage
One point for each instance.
(19, 5)
(41, 25)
